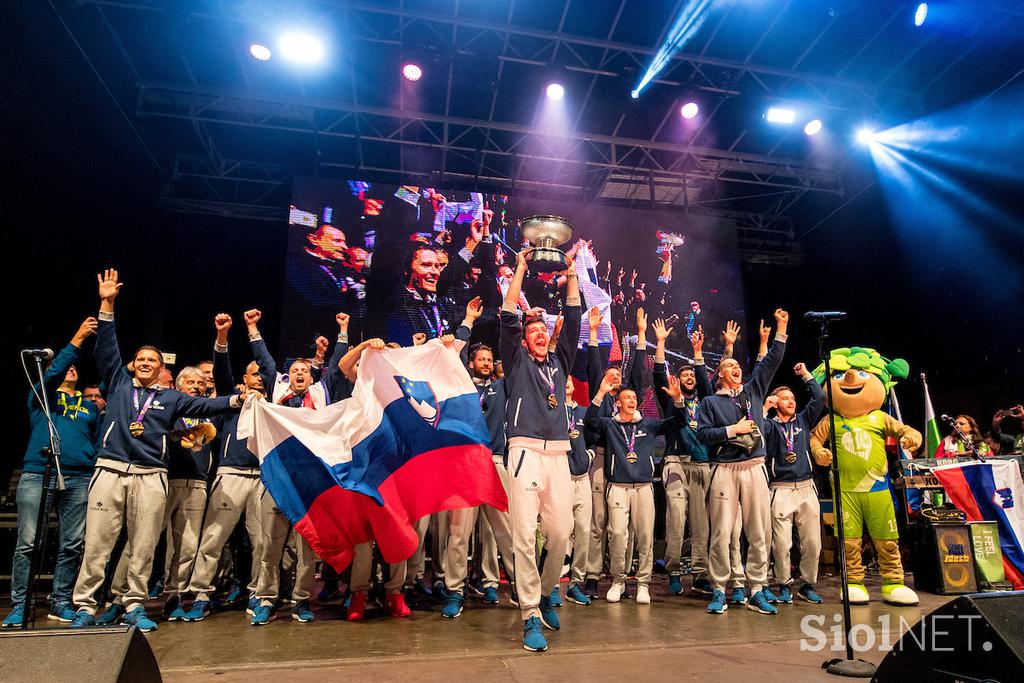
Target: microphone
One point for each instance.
(43, 354)
(824, 315)
(946, 418)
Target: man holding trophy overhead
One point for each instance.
(538, 439)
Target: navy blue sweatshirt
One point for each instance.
(579, 457)
(233, 451)
(184, 463)
(151, 447)
(77, 422)
(632, 378)
(683, 442)
(643, 432)
(492, 397)
(797, 431)
(527, 380)
(717, 413)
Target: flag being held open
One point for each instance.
(410, 442)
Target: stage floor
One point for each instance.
(672, 636)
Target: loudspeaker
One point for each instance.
(944, 559)
(976, 637)
(115, 654)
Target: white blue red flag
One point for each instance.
(991, 491)
(410, 442)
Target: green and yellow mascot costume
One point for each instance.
(861, 379)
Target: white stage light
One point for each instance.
(260, 52)
(865, 136)
(813, 127)
(689, 110)
(302, 48)
(921, 14)
(555, 91)
(780, 115)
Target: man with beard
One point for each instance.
(685, 472)
(538, 441)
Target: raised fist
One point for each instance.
(342, 319)
(252, 316)
(222, 322)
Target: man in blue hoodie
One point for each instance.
(236, 491)
(129, 487)
(685, 472)
(731, 424)
(794, 497)
(580, 458)
(538, 441)
(630, 441)
(77, 421)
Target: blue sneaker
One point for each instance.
(576, 594)
(251, 607)
(717, 604)
(491, 595)
(302, 613)
(556, 597)
(261, 616)
(156, 590)
(533, 639)
(808, 593)
(440, 591)
(675, 584)
(769, 595)
(178, 614)
(452, 605)
(139, 619)
(112, 615)
(785, 595)
(62, 612)
(83, 619)
(738, 597)
(759, 603)
(15, 618)
(198, 611)
(702, 587)
(548, 615)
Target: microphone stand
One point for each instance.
(45, 503)
(849, 667)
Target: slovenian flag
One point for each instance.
(410, 442)
(931, 425)
(991, 491)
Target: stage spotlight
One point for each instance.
(921, 14)
(260, 52)
(813, 127)
(780, 115)
(412, 72)
(866, 136)
(555, 91)
(635, 94)
(689, 110)
(302, 48)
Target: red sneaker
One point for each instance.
(357, 606)
(397, 606)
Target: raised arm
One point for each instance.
(347, 364)
(511, 327)
(268, 368)
(569, 340)
(592, 419)
(700, 371)
(731, 332)
(816, 402)
(223, 377)
(765, 332)
(595, 363)
(332, 374)
(107, 351)
(474, 309)
(762, 375)
(58, 368)
(673, 415)
(635, 378)
(659, 378)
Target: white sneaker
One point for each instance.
(643, 595)
(615, 592)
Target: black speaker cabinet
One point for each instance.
(944, 559)
(977, 637)
(107, 655)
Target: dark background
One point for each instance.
(80, 194)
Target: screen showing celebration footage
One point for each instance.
(406, 260)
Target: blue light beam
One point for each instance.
(691, 18)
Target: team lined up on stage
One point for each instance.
(736, 463)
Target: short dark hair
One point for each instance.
(477, 348)
(150, 347)
(779, 390)
(684, 368)
(613, 366)
(531, 319)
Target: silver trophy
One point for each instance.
(546, 234)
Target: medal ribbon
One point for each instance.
(437, 320)
(742, 405)
(145, 406)
(548, 375)
(691, 408)
(788, 434)
(630, 438)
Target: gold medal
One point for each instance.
(631, 457)
(136, 429)
(693, 424)
(791, 457)
(574, 434)
(552, 401)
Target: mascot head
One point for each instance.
(861, 379)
